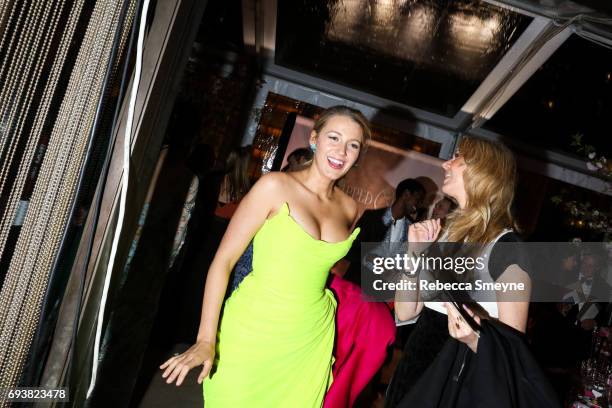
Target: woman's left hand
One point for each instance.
(460, 329)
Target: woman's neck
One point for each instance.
(313, 180)
(461, 202)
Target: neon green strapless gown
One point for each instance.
(276, 335)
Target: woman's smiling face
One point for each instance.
(337, 146)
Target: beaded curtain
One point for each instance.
(54, 56)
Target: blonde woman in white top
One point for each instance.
(481, 178)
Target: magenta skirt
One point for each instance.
(365, 330)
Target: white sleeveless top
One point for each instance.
(484, 275)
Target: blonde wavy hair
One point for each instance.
(489, 179)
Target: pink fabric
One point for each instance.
(364, 331)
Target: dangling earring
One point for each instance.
(313, 147)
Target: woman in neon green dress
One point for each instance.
(275, 340)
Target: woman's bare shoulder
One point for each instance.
(272, 182)
(269, 191)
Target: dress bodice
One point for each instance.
(286, 258)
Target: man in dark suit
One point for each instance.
(386, 225)
(561, 333)
(591, 292)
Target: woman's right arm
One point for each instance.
(407, 304)
(250, 215)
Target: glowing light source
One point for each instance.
(406, 29)
(345, 19)
(473, 30)
(418, 29)
(385, 11)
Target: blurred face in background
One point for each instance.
(588, 266)
(569, 264)
(441, 209)
(412, 201)
(296, 162)
(293, 163)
